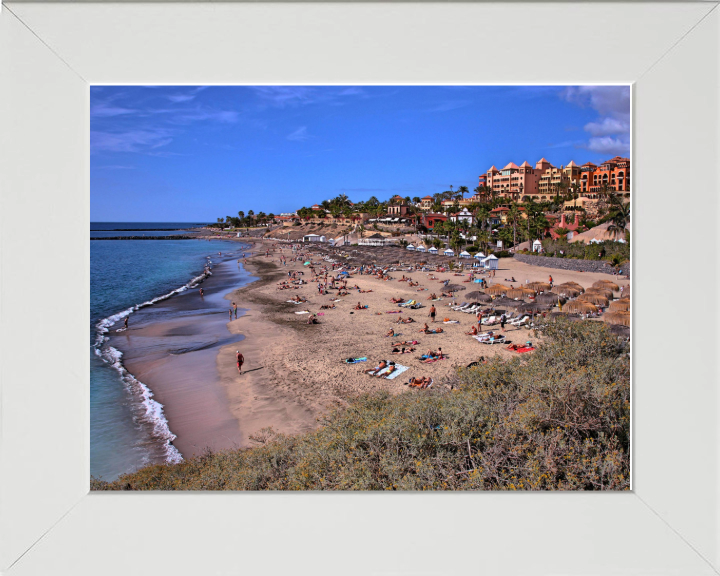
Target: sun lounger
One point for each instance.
(489, 321)
(495, 340)
(482, 337)
(520, 320)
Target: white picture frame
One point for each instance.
(50, 53)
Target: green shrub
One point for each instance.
(556, 419)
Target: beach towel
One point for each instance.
(302, 312)
(394, 312)
(381, 371)
(356, 360)
(321, 313)
(451, 322)
(398, 370)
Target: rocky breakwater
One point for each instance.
(170, 237)
(566, 263)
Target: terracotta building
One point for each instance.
(613, 173)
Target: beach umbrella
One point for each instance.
(622, 305)
(532, 308)
(579, 307)
(496, 290)
(606, 292)
(478, 296)
(606, 284)
(520, 293)
(454, 288)
(539, 286)
(503, 302)
(597, 299)
(548, 298)
(567, 291)
(622, 318)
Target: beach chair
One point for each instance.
(495, 340)
(519, 320)
(460, 307)
(489, 321)
(472, 310)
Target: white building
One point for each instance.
(313, 238)
(491, 262)
(463, 217)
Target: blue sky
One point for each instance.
(196, 153)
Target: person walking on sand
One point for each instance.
(202, 292)
(235, 309)
(432, 313)
(240, 359)
(503, 319)
(550, 281)
(230, 313)
(126, 322)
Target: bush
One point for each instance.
(503, 254)
(558, 419)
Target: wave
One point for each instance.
(153, 414)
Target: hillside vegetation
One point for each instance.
(555, 419)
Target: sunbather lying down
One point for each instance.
(327, 307)
(407, 320)
(405, 343)
(424, 382)
(397, 300)
(433, 331)
(373, 371)
(402, 350)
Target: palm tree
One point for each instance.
(513, 216)
(416, 199)
(251, 214)
(462, 190)
(241, 214)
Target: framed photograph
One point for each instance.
(62, 61)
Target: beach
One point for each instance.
(294, 372)
(183, 349)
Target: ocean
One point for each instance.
(128, 428)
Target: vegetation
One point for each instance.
(556, 419)
(614, 252)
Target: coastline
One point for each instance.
(294, 372)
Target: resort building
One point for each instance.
(397, 207)
(544, 181)
(429, 220)
(613, 173)
(426, 202)
(463, 216)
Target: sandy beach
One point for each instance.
(294, 372)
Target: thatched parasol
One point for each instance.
(579, 307)
(520, 293)
(597, 299)
(539, 286)
(506, 303)
(606, 284)
(455, 288)
(621, 318)
(622, 305)
(532, 308)
(496, 290)
(567, 291)
(606, 292)
(548, 298)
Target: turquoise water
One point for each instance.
(125, 274)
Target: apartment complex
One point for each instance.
(613, 173)
(544, 181)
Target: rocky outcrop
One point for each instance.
(566, 263)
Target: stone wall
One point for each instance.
(566, 263)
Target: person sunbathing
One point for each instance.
(396, 300)
(403, 350)
(312, 319)
(473, 331)
(423, 382)
(364, 291)
(424, 328)
(391, 332)
(413, 284)
(389, 371)
(432, 296)
(327, 307)
(405, 343)
(434, 331)
(359, 307)
(373, 371)
(407, 320)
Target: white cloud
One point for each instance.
(607, 126)
(609, 145)
(129, 141)
(610, 133)
(299, 135)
